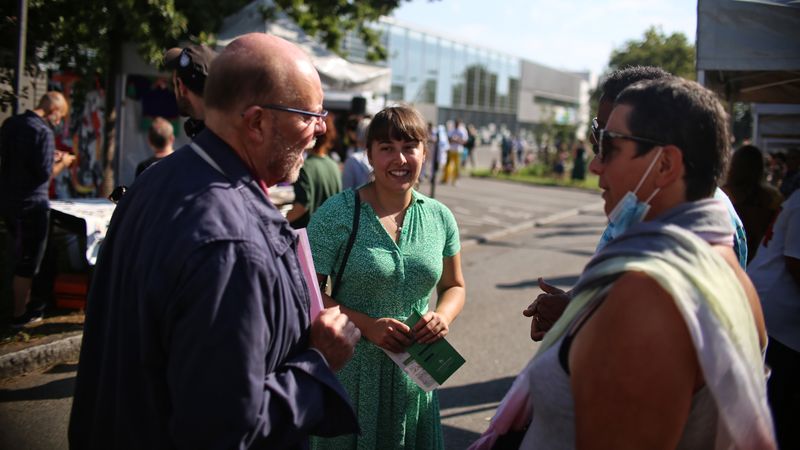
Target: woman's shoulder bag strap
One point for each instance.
(353, 232)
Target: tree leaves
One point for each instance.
(330, 21)
(673, 53)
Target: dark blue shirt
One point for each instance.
(196, 332)
(26, 162)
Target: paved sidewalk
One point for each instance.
(485, 210)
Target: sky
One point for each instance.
(574, 35)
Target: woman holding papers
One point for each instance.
(405, 245)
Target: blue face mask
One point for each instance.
(629, 211)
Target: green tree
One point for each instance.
(86, 37)
(673, 53)
(331, 20)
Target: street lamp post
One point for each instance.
(21, 44)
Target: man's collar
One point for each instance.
(239, 174)
(228, 160)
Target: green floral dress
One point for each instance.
(385, 279)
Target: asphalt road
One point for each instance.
(491, 333)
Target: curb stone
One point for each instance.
(40, 357)
(43, 356)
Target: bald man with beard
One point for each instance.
(197, 329)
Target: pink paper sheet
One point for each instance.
(309, 273)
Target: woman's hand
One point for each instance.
(389, 334)
(431, 327)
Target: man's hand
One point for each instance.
(546, 309)
(61, 161)
(335, 336)
(67, 159)
(389, 334)
(431, 327)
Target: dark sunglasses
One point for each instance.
(604, 141)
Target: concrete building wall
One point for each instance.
(549, 94)
(558, 83)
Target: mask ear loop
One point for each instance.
(647, 172)
(652, 195)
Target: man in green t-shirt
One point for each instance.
(319, 179)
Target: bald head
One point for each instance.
(254, 70)
(53, 102)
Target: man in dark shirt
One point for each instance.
(197, 330)
(27, 147)
(189, 68)
(160, 138)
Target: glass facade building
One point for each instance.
(448, 79)
(476, 84)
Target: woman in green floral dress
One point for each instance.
(406, 245)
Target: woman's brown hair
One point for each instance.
(398, 123)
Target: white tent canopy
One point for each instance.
(337, 74)
(749, 50)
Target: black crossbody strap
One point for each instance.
(356, 219)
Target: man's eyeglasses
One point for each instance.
(604, 141)
(310, 116)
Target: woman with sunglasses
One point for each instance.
(406, 244)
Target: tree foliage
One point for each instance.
(331, 20)
(673, 53)
(86, 37)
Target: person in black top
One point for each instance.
(27, 162)
(160, 137)
(189, 68)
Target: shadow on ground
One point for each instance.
(568, 280)
(470, 399)
(588, 231)
(475, 394)
(54, 390)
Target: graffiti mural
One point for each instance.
(82, 134)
